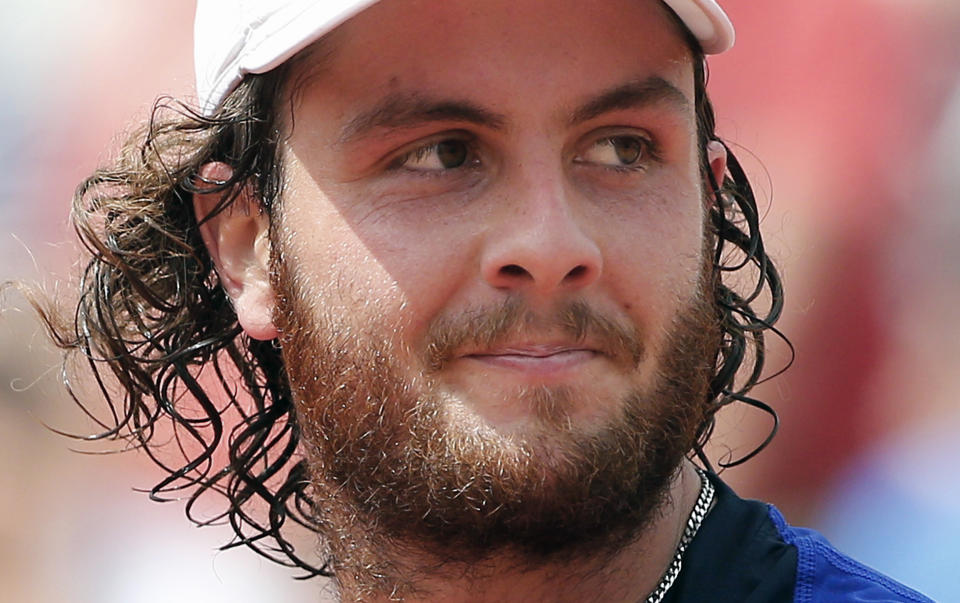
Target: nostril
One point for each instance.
(512, 270)
(577, 272)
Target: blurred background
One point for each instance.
(846, 115)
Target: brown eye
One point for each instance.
(446, 154)
(617, 152)
(452, 153)
(628, 149)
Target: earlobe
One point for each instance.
(238, 241)
(717, 159)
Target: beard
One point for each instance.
(398, 464)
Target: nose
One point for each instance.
(539, 244)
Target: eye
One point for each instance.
(617, 152)
(445, 154)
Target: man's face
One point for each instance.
(489, 261)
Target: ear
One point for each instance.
(717, 160)
(238, 241)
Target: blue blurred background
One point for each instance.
(847, 116)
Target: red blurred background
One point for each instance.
(846, 115)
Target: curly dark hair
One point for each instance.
(176, 370)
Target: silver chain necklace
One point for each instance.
(693, 525)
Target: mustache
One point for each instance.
(486, 326)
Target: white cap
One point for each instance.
(235, 37)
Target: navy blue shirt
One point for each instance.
(745, 552)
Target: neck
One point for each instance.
(404, 571)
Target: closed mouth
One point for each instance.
(535, 358)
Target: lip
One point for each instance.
(536, 359)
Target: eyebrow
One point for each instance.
(405, 110)
(401, 110)
(641, 93)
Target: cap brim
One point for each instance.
(707, 22)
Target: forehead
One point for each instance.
(499, 49)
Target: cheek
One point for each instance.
(655, 262)
(378, 271)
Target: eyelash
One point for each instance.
(423, 149)
(650, 152)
